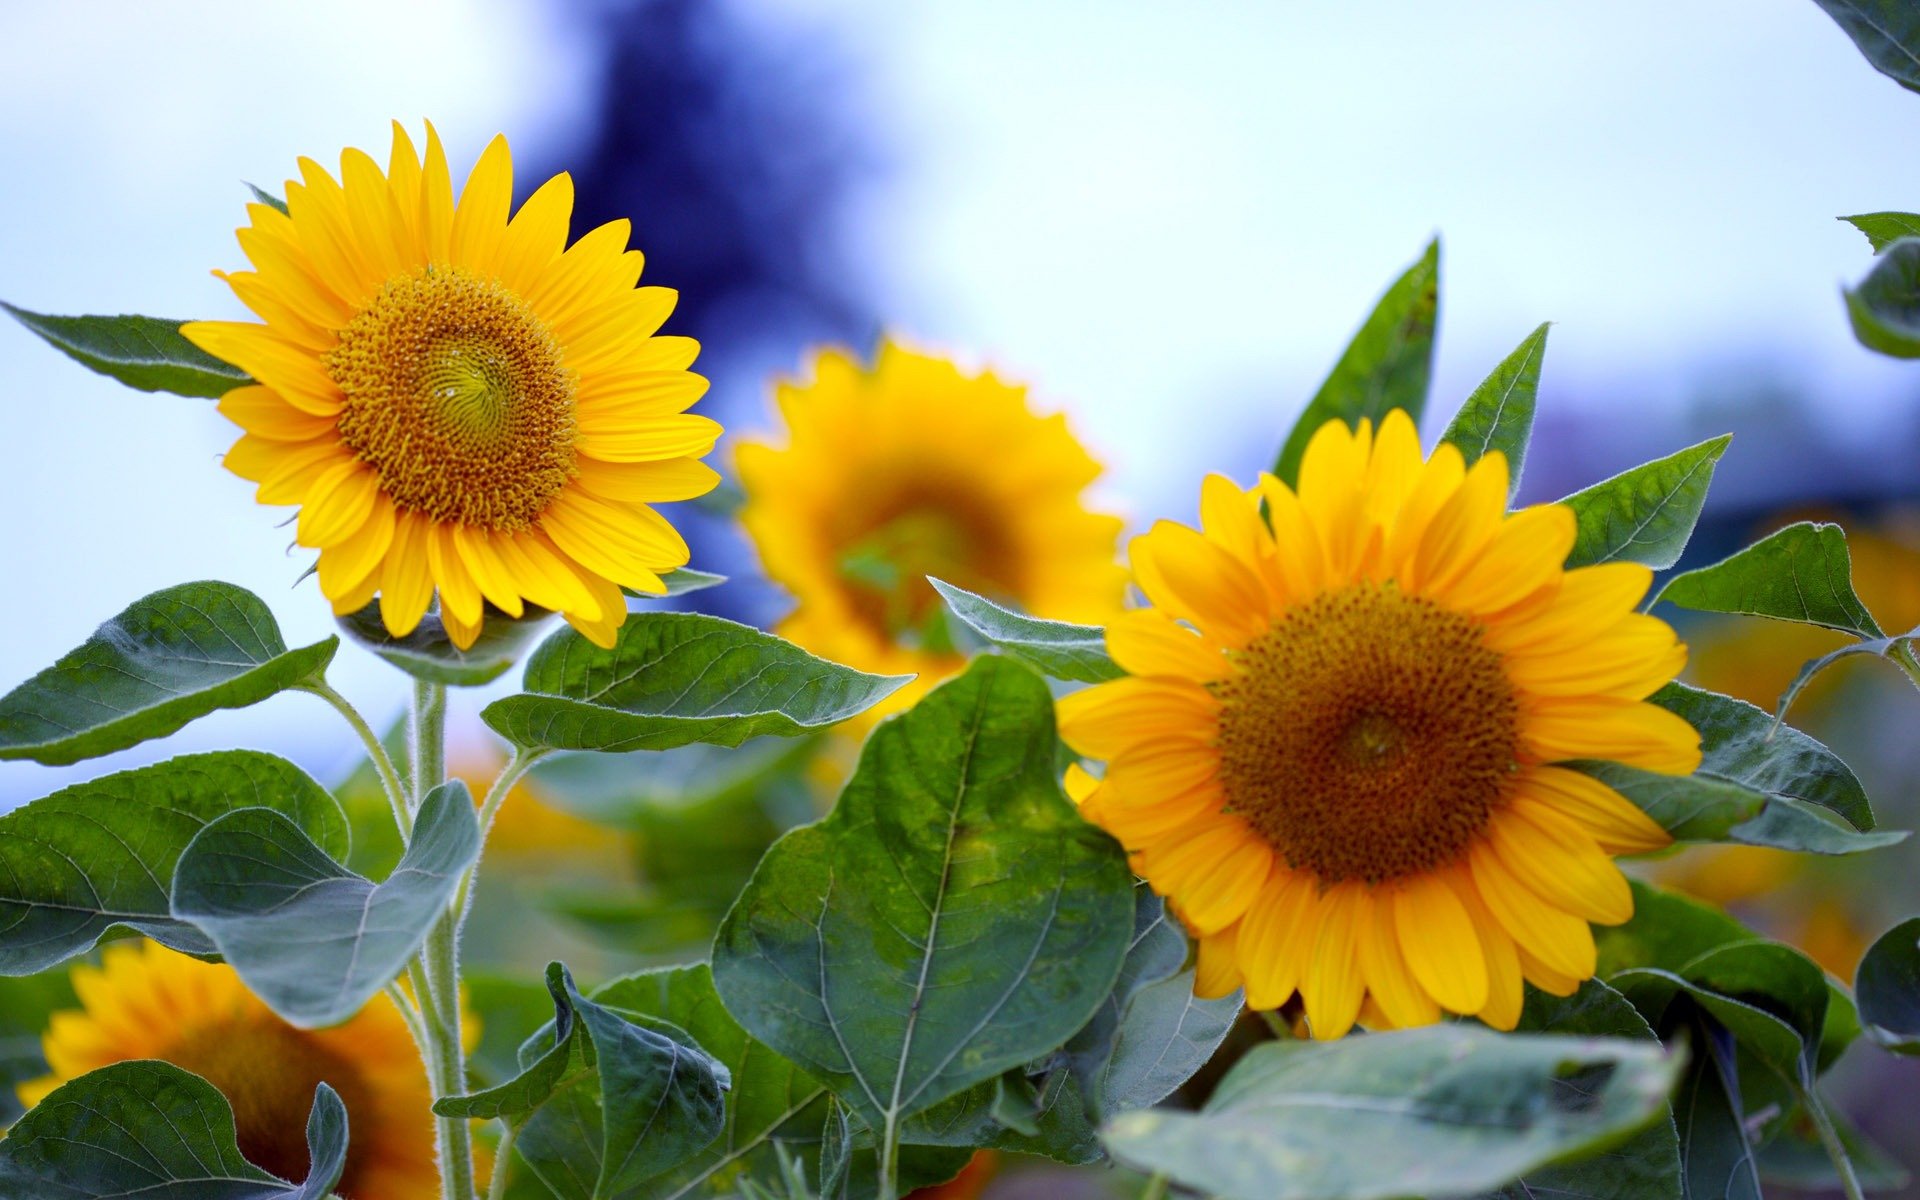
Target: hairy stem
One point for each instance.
(1830, 1140)
(382, 763)
(497, 1187)
(517, 766)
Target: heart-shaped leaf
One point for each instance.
(1883, 229)
(150, 1129)
(1887, 986)
(951, 919)
(1645, 515)
(311, 938)
(170, 658)
(75, 864)
(675, 678)
(1801, 573)
(1447, 1110)
(1499, 413)
(1885, 308)
(147, 353)
(429, 653)
(1886, 31)
(1056, 648)
(1386, 366)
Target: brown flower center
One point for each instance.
(1368, 735)
(456, 394)
(267, 1070)
(925, 528)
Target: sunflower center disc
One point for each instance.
(457, 396)
(1368, 734)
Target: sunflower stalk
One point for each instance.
(390, 782)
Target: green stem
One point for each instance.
(1830, 1139)
(497, 1186)
(1156, 1188)
(382, 762)
(889, 1181)
(517, 766)
(427, 734)
(1901, 652)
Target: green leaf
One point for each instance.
(170, 658)
(1885, 308)
(1056, 648)
(1499, 413)
(1151, 1033)
(26, 1006)
(1886, 31)
(1887, 986)
(429, 653)
(1645, 515)
(1445, 1110)
(1885, 228)
(1716, 1153)
(1801, 573)
(675, 678)
(535, 1084)
(1742, 743)
(1692, 808)
(142, 352)
(679, 582)
(1644, 1167)
(148, 1128)
(771, 1098)
(308, 936)
(1666, 930)
(1046, 1116)
(653, 1100)
(1386, 366)
(101, 854)
(1770, 996)
(1886, 647)
(269, 199)
(951, 919)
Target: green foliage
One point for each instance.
(307, 935)
(1883, 229)
(1888, 987)
(1886, 31)
(675, 678)
(142, 352)
(952, 919)
(26, 1004)
(1056, 648)
(569, 1048)
(1386, 366)
(1042, 1114)
(152, 1129)
(1741, 743)
(1645, 515)
(1885, 308)
(170, 658)
(1445, 1110)
(429, 653)
(679, 582)
(1499, 413)
(1801, 573)
(101, 854)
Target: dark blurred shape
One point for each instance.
(732, 144)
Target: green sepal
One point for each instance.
(428, 652)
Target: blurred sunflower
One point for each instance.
(458, 402)
(147, 1002)
(910, 468)
(527, 829)
(1334, 752)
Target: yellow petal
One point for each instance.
(347, 566)
(481, 216)
(1184, 573)
(261, 412)
(405, 583)
(338, 504)
(1442, 950)
(1104, 720)
(1332, 986)
(1633, 732)
(660, 482)
(536, 235)
(1554, 857)
(1559, 939)
(459, 595)
(1506, 987)
(1217, 972)
(1276, 936)
(1615, 822)
(1146, 642)
(1525, 555)
(1588, 598)
(1216, 875)
(490, 573)
(1404, 1002)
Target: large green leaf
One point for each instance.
(1885, 308)
(1771, 997)
(1886, 31)
(429, 653)
(651, 1101)
(1386, 366)
(1044, 1115)
(1883, 229)
(1499, 413)
(1887, 986)
(142, 352)
(1666, 930)
(675, 678)
(150, 1129)
(771, 1098)
(1645, 515)
(170, 658)
(310, 937)
(951, 919)
(1716, 1152)
(1644, 1167)
(1801, 573)
(1056, 648)
(1445, 1110)
(566, 1048)
(99, 854)
(1151, 1033)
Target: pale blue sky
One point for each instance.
(1168, 217)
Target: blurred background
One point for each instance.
(1170, 228)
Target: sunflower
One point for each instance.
(147, 1002)
(460, 403)
(1335, 752)
(910, 468)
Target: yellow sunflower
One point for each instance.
(1335, 749)
(458, 402)
(147, 1002)
(910, 468)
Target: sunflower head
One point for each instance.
(461, 405)
(913, 468)
(147, 1002)
(1339, 751)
